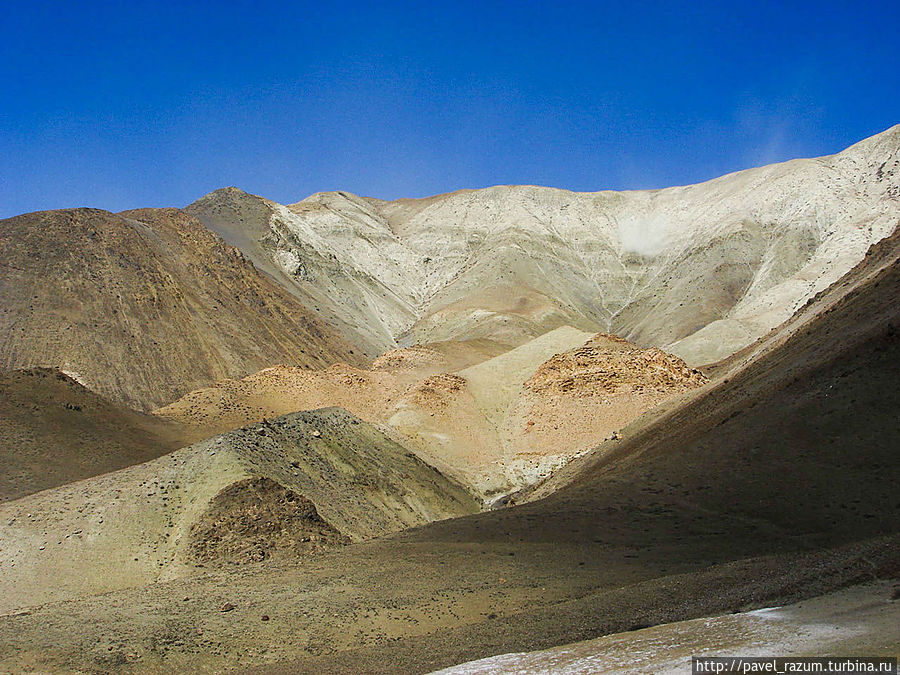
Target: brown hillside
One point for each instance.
(608, 364)
(145, 305)
(496, 425)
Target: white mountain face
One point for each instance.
(700, 271)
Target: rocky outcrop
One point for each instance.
(608, 365)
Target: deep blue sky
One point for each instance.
(128, 104)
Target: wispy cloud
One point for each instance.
(643, 235)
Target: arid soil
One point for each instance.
(858, 620)
(498, 424)
(145, 523)
(402, 436)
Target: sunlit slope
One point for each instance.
(776, 485)
(162, 519)
(699, 271)
(497, 425)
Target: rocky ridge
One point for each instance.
(496, 425)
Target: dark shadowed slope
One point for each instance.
(144, 306)
(54, 431)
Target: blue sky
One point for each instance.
(127, 104)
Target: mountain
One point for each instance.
(562, 416)
(145, 305)
(498, 424)
(359, 291)
(700, 271)
(774, 483)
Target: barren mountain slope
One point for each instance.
(54, 431)
(278, 390)
(145, 305)
(777, 484)
(700, 271)
(598, 388)
(507, 422)
(359, 305)
(878, 258)
(322, 478)
(274, 391)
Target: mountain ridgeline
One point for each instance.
(700, 271)
(147, 305)
(252, 437)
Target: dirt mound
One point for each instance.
(256, 519)
(417, 357)
(609, 365)
(588, 394)
(145, 305)
(497, 425)
(275, 391)
(53, 431)
(437, 391)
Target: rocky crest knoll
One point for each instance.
(496, 425)
(607, 364)
(341, 477)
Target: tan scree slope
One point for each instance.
(498, 425)
(776, 485)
